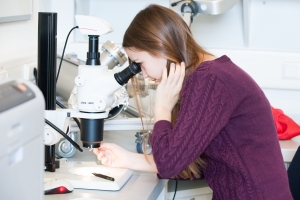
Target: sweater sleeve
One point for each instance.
(205, 109)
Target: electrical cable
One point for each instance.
(60, 104)
(175, 189)
(175, 3)
(65, 135)
(62, 56)
(35, 75)
(77, 122)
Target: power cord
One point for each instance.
(61, 59)
(175, 189)
(62, 56)
(65, 135)
(175, 3)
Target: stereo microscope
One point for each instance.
(96, 85)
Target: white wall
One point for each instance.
(274, 29)
(18, 40)
(65, 17)
(273, 24)
(18, 46)
(19, 37)
(118, 13)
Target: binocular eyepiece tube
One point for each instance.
(124, 76)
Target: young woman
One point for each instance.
(211, 119)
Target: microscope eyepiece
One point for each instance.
(124, 76)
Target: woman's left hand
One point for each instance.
(168, 91)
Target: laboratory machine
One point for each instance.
(21, 152)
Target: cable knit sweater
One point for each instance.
(226, 118)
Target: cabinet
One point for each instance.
(189, 190)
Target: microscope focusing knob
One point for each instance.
(79, 81)
(51, 136)
(203, 6)
(100, 105)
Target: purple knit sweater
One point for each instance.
(226, 118)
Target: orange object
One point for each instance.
(286, 127)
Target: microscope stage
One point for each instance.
(81, 177)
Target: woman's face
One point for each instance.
(152, 67)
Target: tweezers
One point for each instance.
(104, 176)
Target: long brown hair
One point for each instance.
(163, 33)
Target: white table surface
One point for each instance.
(141, 185)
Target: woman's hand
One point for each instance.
(168, 91)
(112, 155)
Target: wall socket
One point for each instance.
(28, 71)
(291, 71)
(3, 74)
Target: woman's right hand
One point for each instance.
(112, 155)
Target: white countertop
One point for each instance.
(141, 185)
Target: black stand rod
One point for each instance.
(47, 31)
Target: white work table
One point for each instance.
(141, 185)
(144, 185)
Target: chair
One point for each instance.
(294, 175)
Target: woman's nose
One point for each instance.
(145, 75)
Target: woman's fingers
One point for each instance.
(172, 74)
(110, 154)
(102, 158)
(104, 161)
(181, 73)
(177, 75)
(96, 151)
(100, 155)
(164, 77)
(175, 79)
